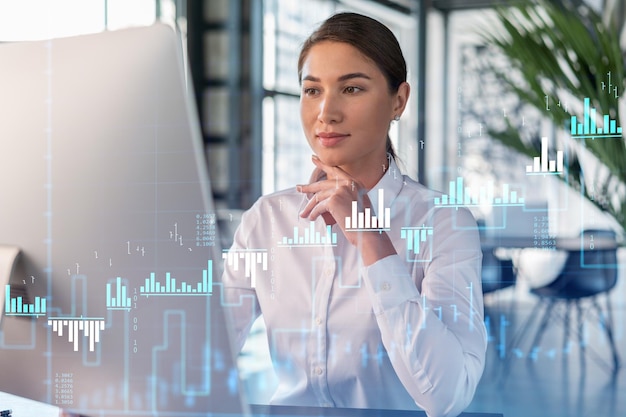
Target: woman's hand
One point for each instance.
(331, 197)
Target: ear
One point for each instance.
(401, 98)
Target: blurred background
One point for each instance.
(515, 113)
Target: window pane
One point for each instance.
(44, 19)
(127, 13)
(287, 23)
(293, 154)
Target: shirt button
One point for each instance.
(385, 286)
(319, 371)
(329, 272)
(318, 321)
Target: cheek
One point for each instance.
(307, 122)
(371, 117)
(305, 114)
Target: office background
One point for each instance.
(242, 56)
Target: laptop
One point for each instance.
(114, 306)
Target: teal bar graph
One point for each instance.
(204, 287)
(414, 237)
(17, 307)
(418, 242)
(118, 299)
(461, 195)
(588, 128)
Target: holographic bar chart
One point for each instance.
(90, 327)
(251, 258)
(152, 287)
(366, 220)
(459, 195)
(309, 237)
(121, 301)
(17, 307)
(418, 240)
(542, 165)
(588, 127)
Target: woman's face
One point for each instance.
(346, 107)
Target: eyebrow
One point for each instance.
(344, 77)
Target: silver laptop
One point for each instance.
(114, 307)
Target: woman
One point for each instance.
(357, 315)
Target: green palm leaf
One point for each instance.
(566, 53)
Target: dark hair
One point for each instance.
(371, 38)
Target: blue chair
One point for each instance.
(497, 273)
(591, 270)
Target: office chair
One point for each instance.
(497, 273)
(590, 270)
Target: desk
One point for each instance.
(23, 407)
(287, 411)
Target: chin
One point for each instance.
(331, 157)
(332, 160)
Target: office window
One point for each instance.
(43, 19)
(286, 154)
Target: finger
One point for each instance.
(318, 209)
(338, 174)
(327, 169)
(315, 200)
(326, 185)
(320, 206)
(332, 172)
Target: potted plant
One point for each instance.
(566, 61)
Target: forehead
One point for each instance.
(334, 59)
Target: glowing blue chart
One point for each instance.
(17, 307)
(152, 287)
(459, 195)
(90, 327)
(588, 127)
(121, 301)
(418, 240)
(366, 220)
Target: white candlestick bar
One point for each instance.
(366, 219)
(250, 258)
(541, 164)
(91, 328)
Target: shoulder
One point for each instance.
(418, 192)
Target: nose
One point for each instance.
(330, 109)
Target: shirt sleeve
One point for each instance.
(433, 330)
(238, 296)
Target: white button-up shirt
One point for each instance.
(405, 331)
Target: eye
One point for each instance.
(310, 91)
(352, 89)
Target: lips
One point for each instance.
(329, 139)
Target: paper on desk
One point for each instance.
(23, 407)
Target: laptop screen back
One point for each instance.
(114, 308)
